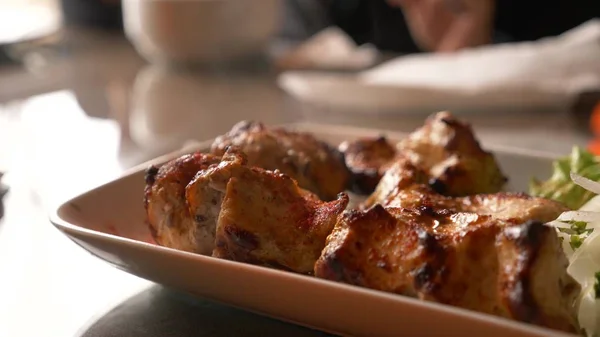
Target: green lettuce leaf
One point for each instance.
(560, 187)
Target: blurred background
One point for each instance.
(90, 88)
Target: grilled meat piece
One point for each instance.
(444, 149)
(403, 186)
(368, 159)
(508, 268)
(167, 213)
(252, 215)
(204, 195)
(485, 252)
(518, 207)
(266, 219)
(447, 150)
(402, 176)
(313, 164)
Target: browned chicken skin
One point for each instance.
(204, 194)
(367, 159)
(486, 252)
(266, 219)
(253, 215)
(448, 152)
(444, 149)
(506, 268)
(315, 165)
(402, 186)
(433, 228)
(167, 212)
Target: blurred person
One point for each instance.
(411, 26)
(104, 14)
(449, 25)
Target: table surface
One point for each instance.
(75, 117)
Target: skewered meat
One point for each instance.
(427, 231)
(444, 149)
(315, 165)
(204, 195)
(167, 213)
(367, 159)
(488, 252)
(447, 150)
(267, 220)
(400, 177)
(509, 268)
(402, 186)
(252, 215)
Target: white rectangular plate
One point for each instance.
(109, 222)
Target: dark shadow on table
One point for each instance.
(161, 312)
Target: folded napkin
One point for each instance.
(545, 74)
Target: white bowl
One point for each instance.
(200, 31)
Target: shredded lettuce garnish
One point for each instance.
(581, 245)
(577, 233)
(560, 187)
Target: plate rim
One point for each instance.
(76, 232)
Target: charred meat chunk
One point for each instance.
(506, 268)
(368, 159)
(315, 165)
(167, 211)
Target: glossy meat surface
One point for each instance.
(448, 152)
(315, 165)
(401, 175)
(444, 149)
(368, 159)
(266, 219)
(167, 213)
(506, 268)
(434, 228)
(224, 207)
(204, 195)
(403, 186)
(257, 216)
(485, 252)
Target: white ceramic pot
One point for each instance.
(200, 31)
